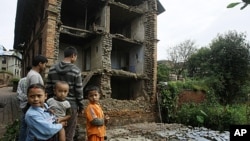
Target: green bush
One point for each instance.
(12, 131)
(170, 94)
(216, 117)
(210, 114)
(190, 114)
(168, 103)
(15, 80)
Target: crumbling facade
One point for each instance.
(116, 42)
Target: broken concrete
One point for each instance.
(162, 132)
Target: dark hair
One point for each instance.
(69, 51)
(37, 85)
(28, 68)
(60, 82)
(39, 59)
(91, 88)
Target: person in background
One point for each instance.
(22, 98)
(21, 90)
(95, 119)
(41, 124)
(70, 73)
(38, 66)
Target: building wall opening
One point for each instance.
(125, 88)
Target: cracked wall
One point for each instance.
(116, 42)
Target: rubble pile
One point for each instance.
(163, 132)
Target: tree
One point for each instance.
(197, 65)
(179, 55)
(229, 63)
(246, 2)
(162, 72)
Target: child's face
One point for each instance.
(93, 96)
(37, 97)
(61, 91)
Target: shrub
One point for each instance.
(216, 117)
(210, 114)
(12, 131)
(15, 80)
(170, 94)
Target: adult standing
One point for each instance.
(22, 98)
(33, 77)
(38, 66)
(67, 71)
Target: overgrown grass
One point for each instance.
(209, 114)
(12, 131)
(216, 117)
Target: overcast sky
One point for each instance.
(197, 20)
(200, 21)
(7, 22)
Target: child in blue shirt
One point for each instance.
(41, 124)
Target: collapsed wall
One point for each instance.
(123, 112)
(116, 42)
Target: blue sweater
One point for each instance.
(40, 124)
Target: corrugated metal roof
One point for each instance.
(11, 53)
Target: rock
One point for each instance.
(159, 132)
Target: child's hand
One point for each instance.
(58, 120)
(51, 111)
(64, 123)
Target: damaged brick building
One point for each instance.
(116, 41)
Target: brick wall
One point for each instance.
(189, 96)
(150, 61)
(124, 112)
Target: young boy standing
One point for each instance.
(38, 65)
(41, 124)
(58, 103)
(95, 119)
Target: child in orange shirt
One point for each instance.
(95, 118)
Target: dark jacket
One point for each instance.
(71, 74)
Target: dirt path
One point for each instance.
(9, 110)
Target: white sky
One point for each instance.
(7, 22)
(197, 20)
(200, 21)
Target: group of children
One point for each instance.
(50, 114)
(46, 118)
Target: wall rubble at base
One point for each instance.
(123, 112)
